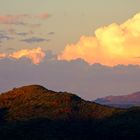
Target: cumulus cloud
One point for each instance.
(35, 55)
(34, 40)
(111, 45)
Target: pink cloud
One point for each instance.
(21, 18)
(13, 19)
(44, 16)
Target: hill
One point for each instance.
(124, 101)
(34, 112)
(35, 101)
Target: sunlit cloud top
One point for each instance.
(111, 45)
(2, 55)
(35, 55)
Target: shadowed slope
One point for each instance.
(33, 112)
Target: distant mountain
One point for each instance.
(36, 113)
(124, 101)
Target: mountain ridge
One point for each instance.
(34, 101)
(125, 101)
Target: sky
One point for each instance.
(89, 47)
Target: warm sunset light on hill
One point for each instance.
(69, 69)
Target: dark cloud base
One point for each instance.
(34, 40)
(76, 76)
